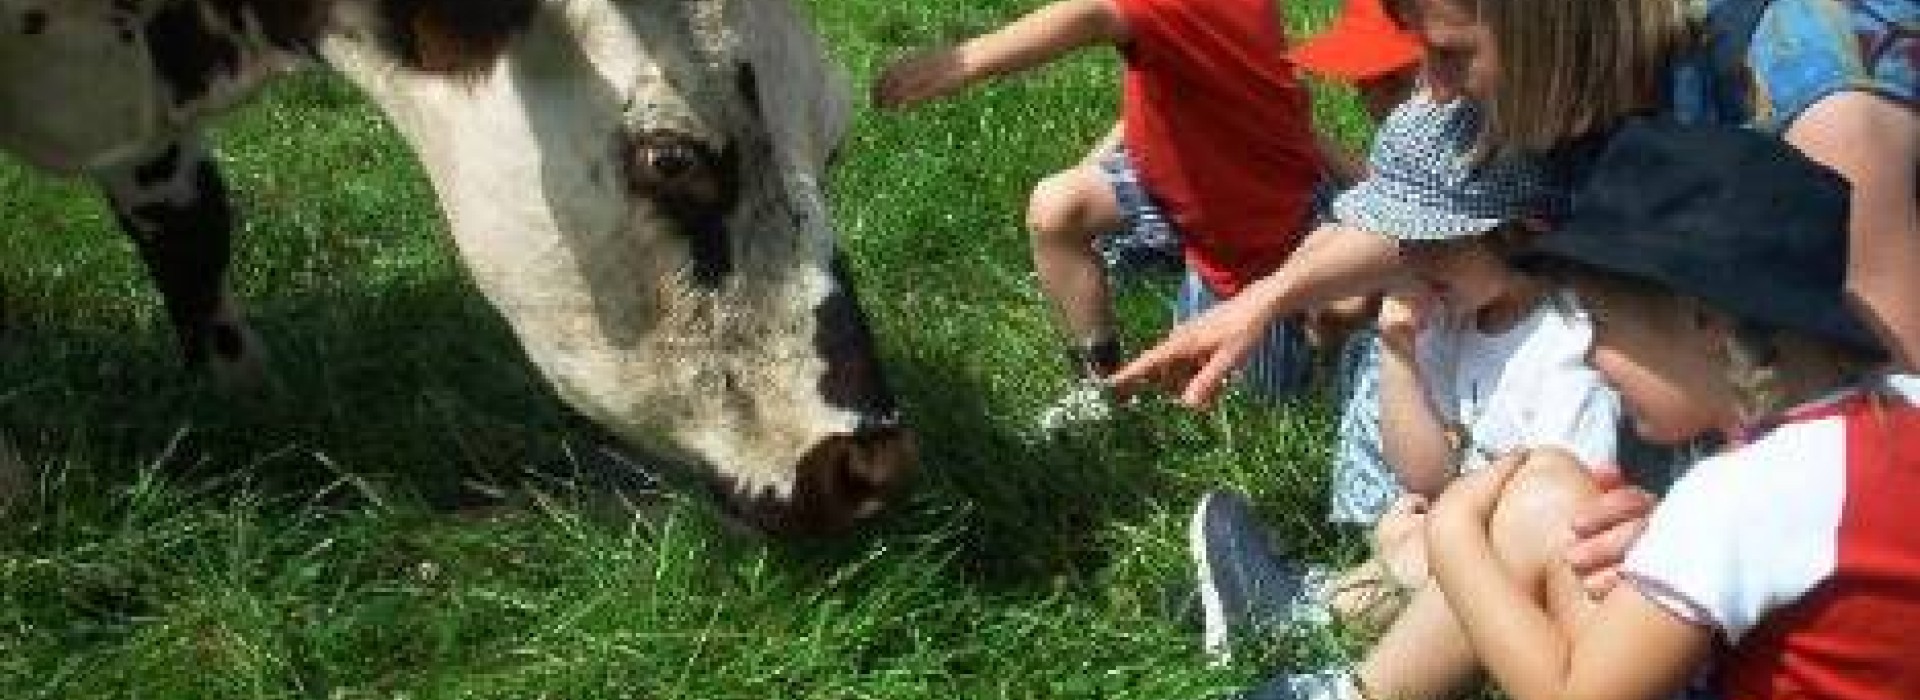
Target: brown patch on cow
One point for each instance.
(843, 481)
(455, 37)
(438, 50)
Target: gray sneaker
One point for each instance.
(1245, 587)
(1089, 402)
(1322, 685)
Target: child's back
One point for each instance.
(1220, 126)
(1802, 550)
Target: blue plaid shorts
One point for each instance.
(1147, 239)
(1364, 485)
(1281, 366)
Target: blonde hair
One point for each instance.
(1574, 67)
(1772, 371)
(1769, 370)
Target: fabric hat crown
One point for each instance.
(1426, 184)
(1732, 217)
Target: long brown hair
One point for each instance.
(1574, 67)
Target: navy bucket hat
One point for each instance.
(1734, 218)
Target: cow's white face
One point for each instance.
(637, 187)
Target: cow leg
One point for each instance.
(175, 206)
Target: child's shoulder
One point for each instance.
(1785, 462)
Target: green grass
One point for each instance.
(325, 544)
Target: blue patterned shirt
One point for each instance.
(1801, 52)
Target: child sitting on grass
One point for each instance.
(1215, 148)
(1714, 262)
(1479, 359)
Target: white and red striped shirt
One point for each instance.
(1802, 550)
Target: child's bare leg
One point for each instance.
(1067, 211)
(1425, 655)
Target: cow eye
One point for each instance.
(674, 168)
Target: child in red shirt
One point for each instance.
(1215, 141)
(1714, 261)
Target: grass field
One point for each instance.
(323, 544)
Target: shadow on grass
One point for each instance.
(1019, 512)
(415, 389)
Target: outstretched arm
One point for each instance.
(1628, 649)
(1032, 40)
(1194, 359)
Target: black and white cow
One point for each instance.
(634, 184)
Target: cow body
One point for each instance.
(634, 184)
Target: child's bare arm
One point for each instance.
(1627, 649)
(1412, 434)
(1030, 41)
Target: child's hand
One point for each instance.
(1469, 501)
(1402, 521)
(919, 78)
(1399, 540)
(1401, 316)
(1604, 528)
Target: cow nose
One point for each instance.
(843, 480)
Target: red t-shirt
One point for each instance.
(1801, 550)
(1219, 126)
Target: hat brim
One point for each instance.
(1356, 54)
(1372, 206)
(1824, 316)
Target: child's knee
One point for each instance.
(1533, 522)
(1062, 208)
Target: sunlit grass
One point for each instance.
(417, 516)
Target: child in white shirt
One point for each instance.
(1480, 360)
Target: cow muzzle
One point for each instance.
(843, 480)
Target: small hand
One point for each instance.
(1401, 317)
(1605, 527)
(919, 78)
(1403, 520)
(1195, 357)
(1471, 498)
(1399, 539)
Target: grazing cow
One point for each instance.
(634, 184)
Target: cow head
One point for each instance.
(636, 185)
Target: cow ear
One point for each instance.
(455, 37)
